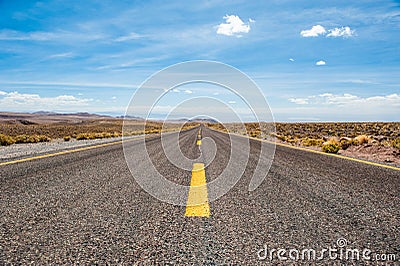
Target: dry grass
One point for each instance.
(11, 133)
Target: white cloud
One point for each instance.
(344, 32)
(232, 102)
(315, 31)
(347, 99)
(320, 63)
(3, 93)
(23, 101)
(251, 20)
(299, 100)
(291, 59)
(319, 30)
(188, 91)
(129, 37)
(114, 98)
(234, 26)
(176, 90)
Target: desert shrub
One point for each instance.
(31, 138)
(23, 139)
(42, 138)
(396, 143)
(67, 138)
(361, 139)
(291, 140)
(255, 134)
(344, 144)
(312, 142)
(281, 137)
(82, 136)
(106, 135)
(6, 140)
(331, 146)
(116, 134)
(98, 135)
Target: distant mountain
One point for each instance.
(198, 120)
(204, 120)
(130, 117)
(43, 113)
(43, 117)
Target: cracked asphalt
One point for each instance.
(86, 208)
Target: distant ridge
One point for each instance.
(198, 120)
(42, 117)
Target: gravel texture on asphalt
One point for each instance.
(86, 208)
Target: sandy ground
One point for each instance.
(368, 152)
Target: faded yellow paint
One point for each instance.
(197, 203)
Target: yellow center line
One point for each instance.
(198, 142)
(197, 203)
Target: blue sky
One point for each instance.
(313, 60)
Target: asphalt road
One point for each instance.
(86, 208)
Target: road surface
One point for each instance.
(86, 208)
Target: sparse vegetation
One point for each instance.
(396, 143)
(317, 134)
(312, 142)
(331, 146)
(31, 138)
(18, 132)
(6, 140)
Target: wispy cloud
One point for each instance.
(62, 55)
(298, 100)
(58, 36)
(234, 26)
(129, 37)
(34, 84)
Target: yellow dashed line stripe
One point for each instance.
(198, 142)
(323, 153)
(197, 203)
